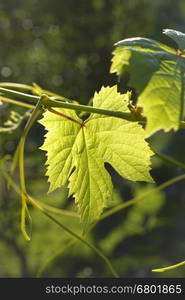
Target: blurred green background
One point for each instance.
(66, 46)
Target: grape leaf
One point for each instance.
(76, 153)
(157, 73)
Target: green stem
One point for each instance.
(59, 211)
(20, 155)
(19, 86)
(92, 247)
(44, 211)
(105, 215)
(40, 205)
(37, 90)
(141, 197)
(34, 89)
(110, 212)
(9, 179)
(169, 159)
(12, 101)
(54, 257)
(20, 95)
(50, 102)
(170, 267)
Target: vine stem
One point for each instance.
(65, 228)
(20, 158)
(170, 267)
(39, 206)
(54, 257)
(55, 101)
(38, 203)
(49, 102)
(12, 101)
(34, 89)
(24, 96)
(141, 197)
(136, 200)
(91, 246)
(59, 211)
(20, 86)
(169, 159)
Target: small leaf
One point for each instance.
(76, 154)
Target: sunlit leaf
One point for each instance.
(157, 73)
(77, 151)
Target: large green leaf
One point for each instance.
(157, 73)
(76, 153)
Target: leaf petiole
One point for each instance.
(65, 116)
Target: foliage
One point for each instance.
(157, 73)
(133, 224)
(85, 146)
(57, 46)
